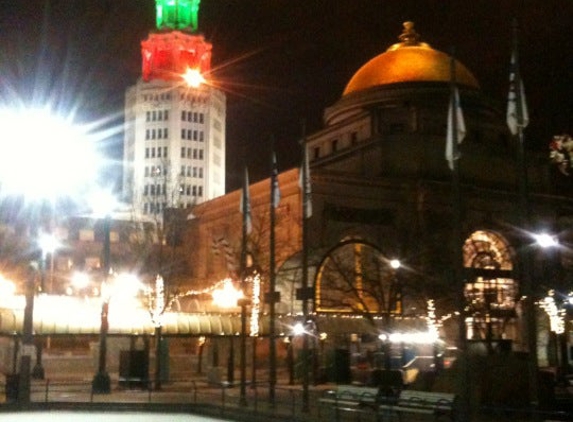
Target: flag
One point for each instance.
(245, 205)
(276, 192)
(304, 183)
(456, 128)
(517, 115)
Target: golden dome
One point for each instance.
(409, 61)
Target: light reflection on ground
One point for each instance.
(58, 416)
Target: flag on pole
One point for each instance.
(276, 192)
(304, 183)
(245, 205)
(517, 115)
(456, 128)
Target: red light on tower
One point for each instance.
(176, 47)
(170, 55)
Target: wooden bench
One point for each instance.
(350, 398)
(426, 402)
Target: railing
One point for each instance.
(212, 399)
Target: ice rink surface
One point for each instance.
(59, 416)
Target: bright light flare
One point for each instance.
(227, 296)
(80, 280)
(412, 338)
(7, 287)
(193, 78)
(298, 329)
(127, 285)
(44, 156)
(102, 202)
(48, 243)
(395, 264)
(546, 240)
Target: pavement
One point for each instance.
(66, 390)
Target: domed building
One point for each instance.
(384, 252)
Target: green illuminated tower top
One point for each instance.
(177, 14)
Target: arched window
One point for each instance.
(355, 277)
(491, 291)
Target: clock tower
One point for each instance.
(174, 142)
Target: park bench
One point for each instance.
(350, 398)
(426, 402)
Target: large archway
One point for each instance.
(355, 277)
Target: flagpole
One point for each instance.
(305, 215)
(458, 239)
(245, 209)
(272, 269)
(517, 123)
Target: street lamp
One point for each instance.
(103, 203)
(62, 163)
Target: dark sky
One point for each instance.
(281, 61)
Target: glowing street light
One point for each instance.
(59, 159)
(546, 240)
(44, 157)
(395, 264)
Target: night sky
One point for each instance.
(281, 62)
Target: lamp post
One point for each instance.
(62, 164)
(103, 203)
(101, 383)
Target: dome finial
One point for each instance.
(409, 36)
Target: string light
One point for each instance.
(256, 302)
(556, 315)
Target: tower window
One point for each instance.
(334, 145)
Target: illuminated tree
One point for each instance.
(561, 153)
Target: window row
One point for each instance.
(156, 152)
(335, 145)
(188, 116)
(188, 190)
(161, 133)
(154, 207)
(193, 135)
(155, 189)
(159, 207)
(194, 153)
(200, 99)
(192, 171)
(156, 115)
(155, 171)
(157, 97)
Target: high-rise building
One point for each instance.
(174, 142)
